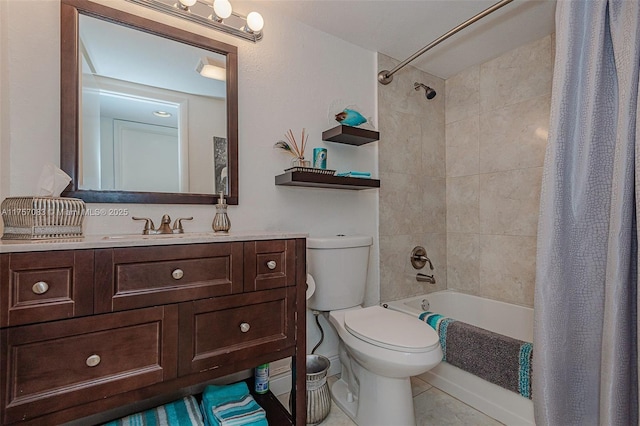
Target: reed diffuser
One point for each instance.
(295, 149)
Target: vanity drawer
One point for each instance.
(135, 277)
(61, 364)
(37, 286)
(221, 331)
(269, 264)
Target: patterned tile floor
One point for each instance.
(433, 408)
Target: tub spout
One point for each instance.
(424, 278)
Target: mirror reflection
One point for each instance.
(153, 113)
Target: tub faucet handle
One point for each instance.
(419, 258)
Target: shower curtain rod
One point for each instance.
(386, 77)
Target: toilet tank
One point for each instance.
(339, 266)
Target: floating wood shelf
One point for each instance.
(350, 135)
(325, 181)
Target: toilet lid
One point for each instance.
(391, 329)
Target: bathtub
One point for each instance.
(504, 318)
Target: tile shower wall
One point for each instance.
(412, 171)
(497, 117)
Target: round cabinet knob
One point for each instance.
(272, 264)
(40, 287)
(244, 327)
(93, 360)
(177, 274)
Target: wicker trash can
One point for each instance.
(318, 396)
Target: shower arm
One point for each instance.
(386, 77)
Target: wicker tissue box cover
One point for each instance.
(36, 218)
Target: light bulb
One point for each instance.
(255, 22)
(222, 8)
(187, 3)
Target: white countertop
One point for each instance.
(131, 240)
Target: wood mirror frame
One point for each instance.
(70, 92)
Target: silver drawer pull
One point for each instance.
(244, 327)
(272, 264)
(40, 287)
(177, 274)
(93, 360)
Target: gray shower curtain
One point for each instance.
(585, 361)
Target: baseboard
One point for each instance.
(280, 383)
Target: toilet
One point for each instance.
(380, 349)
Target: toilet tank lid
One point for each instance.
(339, 241)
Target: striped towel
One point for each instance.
(244, 411)
(231, 405)
(499, 359)
(184, 412)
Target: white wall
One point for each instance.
(4, 101)
(288, 80)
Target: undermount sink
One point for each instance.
(159, 236)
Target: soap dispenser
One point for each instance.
(221, 222)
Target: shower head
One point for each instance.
(428, 91)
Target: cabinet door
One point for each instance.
(220, 331)
(269, 264)
(62, 364)
(45, 286)
(136, 277)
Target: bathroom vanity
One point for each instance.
(120, 324)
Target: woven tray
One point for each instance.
(36, 218)
(311, 170)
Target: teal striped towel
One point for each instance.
(353, 173)
(231, 405)
(184, 412)
(499, 359)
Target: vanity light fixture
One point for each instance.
(216, 14)
(210, 68)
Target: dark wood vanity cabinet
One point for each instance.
(88, 331)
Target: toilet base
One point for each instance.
(382, 401)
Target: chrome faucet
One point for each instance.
(424, 278)
(165, 225)
(419, 260)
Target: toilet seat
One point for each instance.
(391, 329)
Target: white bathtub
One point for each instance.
(504, 318)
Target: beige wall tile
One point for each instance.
(412, 170)
(510, 202)
(400, 204)
(462, 204)
(518, 75)
(462, 144)
(434, 207)
(491, 249)
(462, 95)
(433, 148)
(508, 268)
(401, 150)
(463, 262)
(515, 136)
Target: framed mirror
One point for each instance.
(149, 112)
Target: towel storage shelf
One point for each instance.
(95, 334)
(316, 180)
